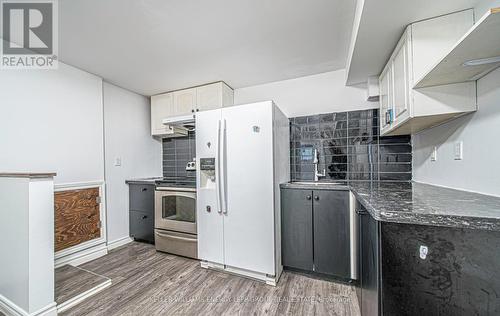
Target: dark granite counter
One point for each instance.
(421, 204)
(143, 180)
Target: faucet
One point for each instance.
(317, 175)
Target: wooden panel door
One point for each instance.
(386, 101)
(401, 81)
(77, 217)
(209, 97)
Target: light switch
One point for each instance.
(423, 252)
(118, 162)
(434, 154)
(459, 150)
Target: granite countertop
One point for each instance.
(151, 180)
(423, 204)
(31, 175)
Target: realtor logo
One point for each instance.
(29, 38)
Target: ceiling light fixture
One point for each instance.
(482, 61)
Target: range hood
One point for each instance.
(185, 122)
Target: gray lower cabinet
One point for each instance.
(315, 231)
(331, 233)
(141, 211)
(297, 229)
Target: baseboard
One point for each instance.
(119, 242)
(9, 308)
(78, 258)
(82, 296)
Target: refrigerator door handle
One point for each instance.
(217, 170)
(223, 169)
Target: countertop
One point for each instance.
(417, 203)
(143, 180)
(31, 175)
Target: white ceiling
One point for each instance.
(153, 46)
(382, 24)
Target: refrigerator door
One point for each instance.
(208, 208)
(248, 171)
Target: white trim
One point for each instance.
(82, 296)
(119, 242)
(9, 308)
(78, 258)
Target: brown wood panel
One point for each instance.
(77, 217)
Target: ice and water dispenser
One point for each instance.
(207, 173)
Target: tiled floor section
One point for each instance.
(145, 282)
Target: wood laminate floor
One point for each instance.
(72, 281)
(146, 282)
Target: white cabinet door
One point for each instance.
(209, 97)
(162, 106)
(401, 85)
(184, 101)
(385, 85)
(249, 222)
(209, 222)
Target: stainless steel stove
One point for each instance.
(175, 216)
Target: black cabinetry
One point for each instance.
(316, 231)
(141, 211)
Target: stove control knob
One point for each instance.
(209, 208)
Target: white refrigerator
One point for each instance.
(242, 155)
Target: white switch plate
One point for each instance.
(423, 252)
(118, 162)
(434, 154)
(458, 150)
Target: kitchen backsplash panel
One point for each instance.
(177, 152)
(349, 147)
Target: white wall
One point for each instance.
(322, 93)
(127, 136)
(51, 121)
(479, 171)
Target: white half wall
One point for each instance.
(127, 133)
(480, 169)
(51, 121)
(322, 93)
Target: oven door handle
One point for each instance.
(217, 170)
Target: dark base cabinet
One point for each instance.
(141, 211)
(316, 232)
(369, 264)
(459, 276)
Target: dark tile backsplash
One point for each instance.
(177, 152)
(349, 147)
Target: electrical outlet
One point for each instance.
(434, 154)
(118, 162)
(423, 252)
(458, 150)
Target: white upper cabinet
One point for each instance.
(161, 106)
(184, 102)
(405, 110)
(187, 102)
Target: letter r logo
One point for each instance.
(27, 28)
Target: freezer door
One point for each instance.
(248, 170)
(208, 211)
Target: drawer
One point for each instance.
(142, 198)
(141, 225)
(176, 243)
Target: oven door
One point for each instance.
(175, 210)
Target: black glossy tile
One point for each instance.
(395, 139)
(395, 167)
(391, 176)
(393, 157)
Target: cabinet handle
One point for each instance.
(197, 110)
(144, 216)
(316, 198)
(308, 197)
(144, 189)
(192, 111)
